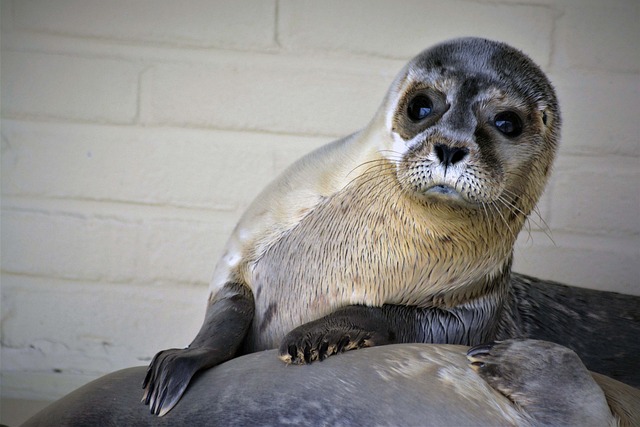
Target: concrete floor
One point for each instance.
(14, 412)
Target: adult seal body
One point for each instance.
(401, 232)
(392, 385)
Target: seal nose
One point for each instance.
(449, 156)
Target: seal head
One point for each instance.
(474, 122)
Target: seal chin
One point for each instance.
(445, 193)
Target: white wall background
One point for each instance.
(134, 134)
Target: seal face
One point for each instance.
(419, 210)
(465, 126)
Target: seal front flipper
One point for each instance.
(347, 328)
(226, 323)
(548, 381)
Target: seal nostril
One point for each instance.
(459, 154)
(449, 156)
(440, 152)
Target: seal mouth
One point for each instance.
(443, 190)
(445, 193)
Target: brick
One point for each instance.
(74, 244)
(110, 326)
(107, 318)
(198, 169)
(6, 17)
(599, 112)
(70, 245)
(597, 195)
(201, 23)
(288, 96)
(599, 35)
(63, 87)
(401, 31)
(595, 262)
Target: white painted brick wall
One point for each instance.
(248, 24)
(384, 28)
(134, 134)
(190, 94)
(50, 86)
(600, 112)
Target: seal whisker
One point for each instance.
(371, 173)
(375, 161)
(542, 225)
(494, 204)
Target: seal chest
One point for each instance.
(368, 244)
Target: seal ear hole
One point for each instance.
(544, 117)
(509, 123)
(419, 108)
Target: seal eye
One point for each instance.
(419, 108)
(509, 123)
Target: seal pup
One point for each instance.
(401, 232)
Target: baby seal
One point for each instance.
(401, 232)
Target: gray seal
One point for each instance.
(394, 385)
